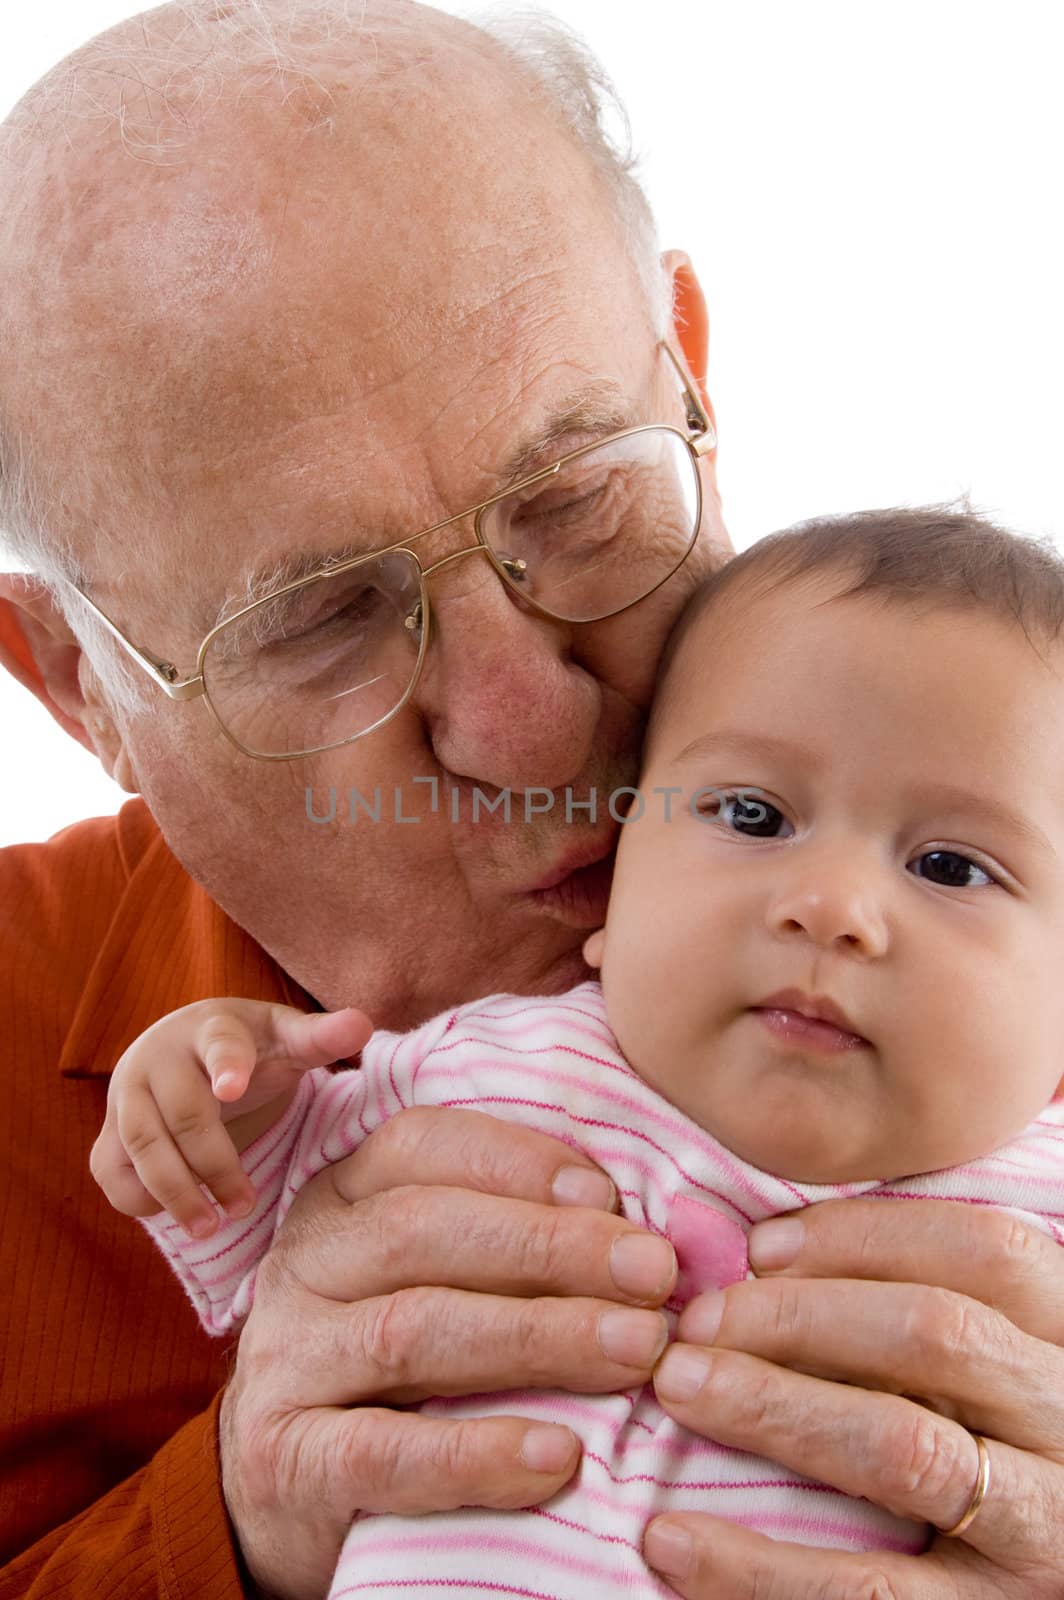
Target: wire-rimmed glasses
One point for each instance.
(331, 657)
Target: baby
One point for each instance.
(830, 967)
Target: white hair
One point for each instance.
(204, 49)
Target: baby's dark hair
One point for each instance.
(928, 557)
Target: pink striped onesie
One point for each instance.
(553, 1064)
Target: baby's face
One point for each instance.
(899, 858)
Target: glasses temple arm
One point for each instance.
(164, 673)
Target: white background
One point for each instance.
(871, 194)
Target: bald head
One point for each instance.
(176, 195)
(287, 283)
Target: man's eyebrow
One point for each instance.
(265, 580)
(949, 798)
(595, 411)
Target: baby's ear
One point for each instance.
(594, 946)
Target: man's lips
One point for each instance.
(578, 889)
(811, 1020)
(575, 861)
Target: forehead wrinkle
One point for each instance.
(596, 409)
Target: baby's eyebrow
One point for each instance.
(769, 746)
(958, 801)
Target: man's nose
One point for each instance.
(834, 898)
(504, 703)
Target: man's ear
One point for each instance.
(690, 318)
(40, 650)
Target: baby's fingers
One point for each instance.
(318, 1038)
(115, 1173)
(226, 1045)
(176, 1142)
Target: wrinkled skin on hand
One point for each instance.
(545, 1287)
(819, 1363)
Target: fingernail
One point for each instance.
(702, 1318)
(202, 1227)
(667, 1548)
(682, 1373)
(239, 1208)
(225, 1080)
(775, 1244)
(632, 1338)
(547, 1449)
(579, 1186)
(642, 1265)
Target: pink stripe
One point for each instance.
(527, 1052)
(967, 1200)
(1001, 1169)
(341, 1140)
(852, 1528)
(581, 1527)
(556, 1409)
(855, 1531)
(222, 1285)
(424, 1055)
(509, 1548)
(533, 1403)
(649, 1111)
(591, 1122)
(343, 1092)
(258, 1225)
(591, 1009)
(265, 1147)
(477, 1543)
(391, 1070)
(530, 1025)
(702, 1483)
(467, 1585)
(606, 1154)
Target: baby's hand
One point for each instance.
(197, 1087)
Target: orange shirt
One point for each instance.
(109, 1480)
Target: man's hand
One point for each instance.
(536, 1284)
(872, 1386)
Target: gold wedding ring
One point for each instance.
(982, 1484)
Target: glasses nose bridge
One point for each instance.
(413, 541)
(510, 572)
(455, 555)
(417, 618)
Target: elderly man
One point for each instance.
(282, 286)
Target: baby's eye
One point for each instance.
(748, 814)
(950, 869)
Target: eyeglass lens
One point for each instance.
(330, 660)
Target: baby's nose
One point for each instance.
(831, 905)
